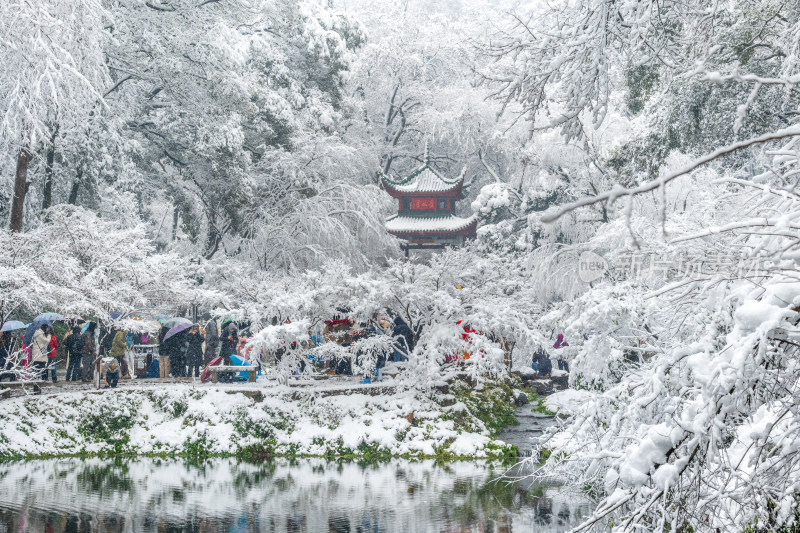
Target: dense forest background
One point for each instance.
(227, 153)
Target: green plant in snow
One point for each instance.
(246, 426)
(373, 452)
(506, 453)
(107, 425)
(535, 400)
(166, 403)
(339, 450)
(492, 406)
(179, 408)
(540, 407)
(197, 448)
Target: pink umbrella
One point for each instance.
(206, 375)
(174, 330)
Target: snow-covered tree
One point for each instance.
(79, 264)
(692, 423)
(54, 73)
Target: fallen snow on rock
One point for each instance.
(567, 401)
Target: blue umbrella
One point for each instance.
(49, 316)
(240, 361)
(86, 326)
(11, 325)
(33, 326)
(115, 315)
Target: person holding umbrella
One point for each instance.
(52, 355)
(212, 341)
(118, 349)
(8, 345)
(194, 352)
(174, 345)
(177, 362)
(40, 349)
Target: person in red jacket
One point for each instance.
(51, 357)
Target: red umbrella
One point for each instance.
(206, 375)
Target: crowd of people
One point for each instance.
(183, 354)
(89, 349)
(399, 337)
(179, 352)
(37, 352)
(183, 349)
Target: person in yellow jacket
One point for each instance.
(117, 351)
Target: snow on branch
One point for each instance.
(620, 192)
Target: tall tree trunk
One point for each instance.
(47, 201)
(20, 189)
(174, 222)
(73, 192)
(212, 240)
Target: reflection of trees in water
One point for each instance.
(282, 496)
(501, 501)
(54, 522)
(111, 475)
(247, 480)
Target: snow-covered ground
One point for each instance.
(182, 418)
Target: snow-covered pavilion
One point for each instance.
(426, 203)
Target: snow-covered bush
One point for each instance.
(459, 304)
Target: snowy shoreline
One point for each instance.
(248, 421)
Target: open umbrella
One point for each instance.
(206, 375)
(33, 326)
(114, 315)
(174, 330)
(11, 325)
(172, 322)
(49, 316)
(241, 361)
(86, 326)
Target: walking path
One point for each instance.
(325, 386)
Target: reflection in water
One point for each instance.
(155, 495)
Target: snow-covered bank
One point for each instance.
(248, 420)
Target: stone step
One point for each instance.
(531, 427)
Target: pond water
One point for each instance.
(143, 495)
